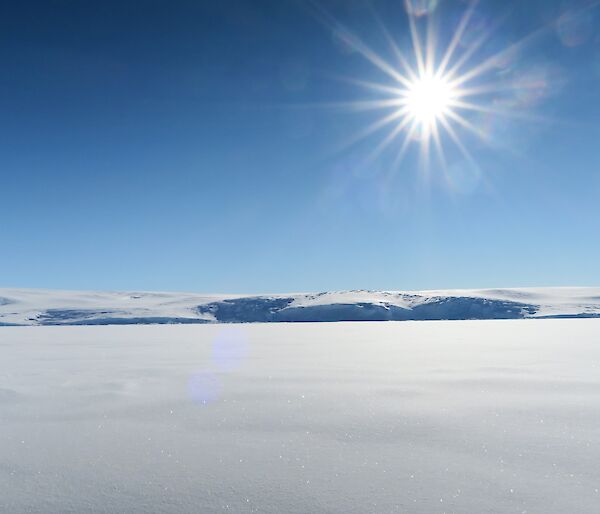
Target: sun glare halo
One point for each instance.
(427, 99)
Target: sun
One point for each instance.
(442, 93)
(427, 100)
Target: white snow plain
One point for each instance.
(412, 417)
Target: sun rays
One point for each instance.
(429, 96)
(434, 93)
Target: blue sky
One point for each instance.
(200, 147)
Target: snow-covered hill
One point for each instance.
(48, 307)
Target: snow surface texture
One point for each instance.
(423, 418)
(46, 307)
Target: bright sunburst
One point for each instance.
(431, 95)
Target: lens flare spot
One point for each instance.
(464, 177)
(421, 7)
(229, 349)
(204, 387)
(575, 27)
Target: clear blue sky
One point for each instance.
(187, 145)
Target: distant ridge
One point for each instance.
(48, 307)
